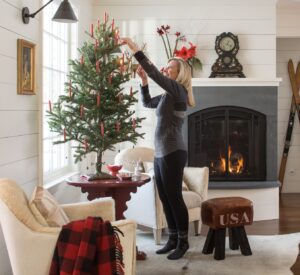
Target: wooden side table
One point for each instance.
(115, 188)
(118, 189)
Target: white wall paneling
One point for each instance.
(18, 113)
(20, 123)
(17, 148)
(256, 28)
(288, 48)
(288, 19)
(215, 3)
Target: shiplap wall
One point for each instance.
(288, 48)
(288, 19)
(19, 114)
(201, 20)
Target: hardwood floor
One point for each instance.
(289, 222)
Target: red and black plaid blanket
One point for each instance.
(85, 247)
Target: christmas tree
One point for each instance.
(95, 110)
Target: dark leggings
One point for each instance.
(168, 174)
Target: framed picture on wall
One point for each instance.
(26, 67)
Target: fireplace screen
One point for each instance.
(231, 141)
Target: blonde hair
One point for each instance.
(185, 78)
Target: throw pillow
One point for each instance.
(184, 186)
(37, 214)
(48, 208)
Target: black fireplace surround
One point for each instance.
(233, 131)
(230, 140)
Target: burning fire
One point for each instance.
(236, 163)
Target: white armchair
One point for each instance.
(145, 207)
(31, 245)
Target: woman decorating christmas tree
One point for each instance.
(170, 150)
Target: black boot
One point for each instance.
(171, 243)
(181, 248)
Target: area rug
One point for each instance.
(271, 255)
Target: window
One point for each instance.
(59, 45)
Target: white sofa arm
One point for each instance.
(104, 208)
(197, 180)
(144, 207)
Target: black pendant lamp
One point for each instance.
(64, 14)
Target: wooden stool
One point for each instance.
(221, 213)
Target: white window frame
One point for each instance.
(53, 175)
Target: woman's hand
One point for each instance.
(132, 46)
(142, 74)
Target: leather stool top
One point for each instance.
(227, 212)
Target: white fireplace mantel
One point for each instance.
(222, 82)
(213, 82)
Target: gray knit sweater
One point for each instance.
(170, 109)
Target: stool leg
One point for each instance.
(220, 244)
(233, 243)
(209, 242)
(243, 241)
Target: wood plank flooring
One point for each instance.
(289, 222)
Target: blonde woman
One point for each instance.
(170, 150)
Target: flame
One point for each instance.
(236, 163)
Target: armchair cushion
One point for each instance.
(44, 203)
(37, 214)
(191, 199)
(195, 175)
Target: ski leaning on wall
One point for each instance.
(295, 108)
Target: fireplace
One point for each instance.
(231, 141)
(233, 131)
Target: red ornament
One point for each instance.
(70, 89)
(118, 126)
(116, 36)
(98, 100)
(81, 111)
(50, 107)
(92, 30)
(98, 66)
(122, 64)
(113, 25)
(133, 123)
(86, 146)
(96, 44)
(120, 96)
(102, 129)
